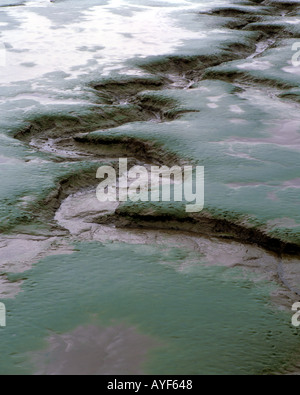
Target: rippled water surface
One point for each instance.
(185, 318)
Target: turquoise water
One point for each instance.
(202, 320)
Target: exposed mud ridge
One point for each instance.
(250, 11)
(143, 150)
(62, 134)
(198, 68)
(120, 102)
(271, 33)
(290, 96)
(249, 17)
(191, 69)
(240, 22)
(243, 78)
(104, 117)
(237, 17)
(115, 92)
(148, 152)
(287, 6)
(65, 187)
(123, 102)
(275, 29)
(234, 12)
(12, 5)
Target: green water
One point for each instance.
(205, 320)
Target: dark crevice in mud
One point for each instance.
(233, 12)
(65, 187)
(236, 76)
(146, 151)
(115, 92)
(236, 17)
(180, 65)
(285, 6)
(163, 108)
(201, 225)
(12, 5)
(240, 23)
(290, 96)
(41, 212)
(272, 30)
